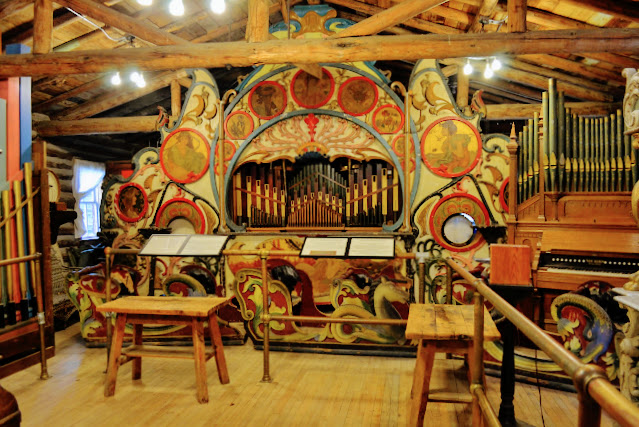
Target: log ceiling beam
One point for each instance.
(575, 67)
(111, 100)
(123, 22)
(45, 105)
(487, 87)
(107, 125)
(8, 7)
(418, 24)
(390, 17)
(409, 47)
(486, 9)
(526, 111)
(42, 26)
(619, 9)
(516, 16)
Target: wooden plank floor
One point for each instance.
(307, 390)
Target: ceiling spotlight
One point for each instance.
(496, 64)
(140, 82)
(488, 72)
(468, 69)
(176, 8)
(145, 2)
(135, 76)
(115, 79)
(218, 6)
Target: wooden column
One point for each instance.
(176, 98)
(516, 16)
(42, 26)
(462, 89)
(257, 25)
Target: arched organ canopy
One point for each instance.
(313, 192)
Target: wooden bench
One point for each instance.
(446, 329)
(192, 311)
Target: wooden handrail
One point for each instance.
(590, 380)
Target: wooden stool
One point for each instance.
(444, 329)
(168, 311)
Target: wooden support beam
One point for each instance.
(388, 18)
(493, 89)
(59, 22)
(124, 22)
(106, 125)
(510, 87)
(419, 24)
(413, 47)
(42, 26)
(526, 111)
(541, 82)
(111, 100)
(486, 9)
(8, 7)
(516, 16)
(623, 10)
(576, 67)
(45, 105)
(357, 18)
(257, 24)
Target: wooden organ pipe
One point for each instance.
(561, 152)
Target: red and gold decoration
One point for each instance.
(229, 152)
(267, 100)
(451, 147)
(181, 208)
(185, 155)
(454, 221)
(131, 202)
(503, 195)
(309, 91)
(238, 125)
(357, 96)
(388, 119)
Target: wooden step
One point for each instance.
(163, 351)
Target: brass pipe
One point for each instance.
(266, 377)
(107, 285)
(407, 152)
(588, 377)
(37, 289)
(588, 412)
(20, 259)
(490, 417)
(477, 368)
(316, 319)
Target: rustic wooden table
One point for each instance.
(192, 311)
(446, 329)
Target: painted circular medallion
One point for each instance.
(454, 221)
(309, 91)
(238, 125)
(388, 119)
(184, 155)
(131, 202)
(267, 100)
(357, 96)
(451, 147)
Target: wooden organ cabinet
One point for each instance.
(575, 176)
(315, 193)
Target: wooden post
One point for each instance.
(176, 98)
(516, 16)
(462, 90)
(42, 26)
(257, 25)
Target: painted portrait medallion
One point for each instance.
(184, 155)
(267, 100)
(131, 202)
(398, 147)
(451, 147)
(239, 125)
(454, 221)
(182, 213)
(388, 119)
(357, 96)
(309, 91)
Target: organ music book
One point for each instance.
(184, 245)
